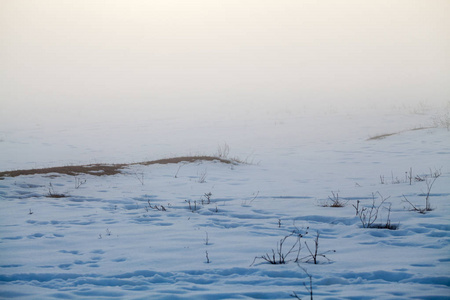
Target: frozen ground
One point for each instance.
(103, 241)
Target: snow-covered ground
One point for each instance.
(103, 241)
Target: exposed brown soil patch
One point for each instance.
(108, 169)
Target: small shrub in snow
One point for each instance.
(206, 198)
(429, 182)
(388, 224)
(193, 207)
(334, 201)
(409, 177)
(419, 178)
(223, 151)
(52, 193)
(433, 174)
(394, 180)
(369, 214)
(280, 255)
(155, 207)
(436, 173)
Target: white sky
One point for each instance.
(80, 57)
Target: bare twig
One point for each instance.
(79, 182)
(140, 177)
(356, 206)
(206, 238)
(257, 193)
(179, 167)
(202, 176)
(244, 202)
(313, 255)
(309, 289)
(429, 186)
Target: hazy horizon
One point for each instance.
(75, 60)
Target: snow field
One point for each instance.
(103, 241)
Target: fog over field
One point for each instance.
(78, 61)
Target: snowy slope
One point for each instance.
(103, 241)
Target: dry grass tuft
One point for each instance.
(382, 136)
(95, 169)
(109, 169)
